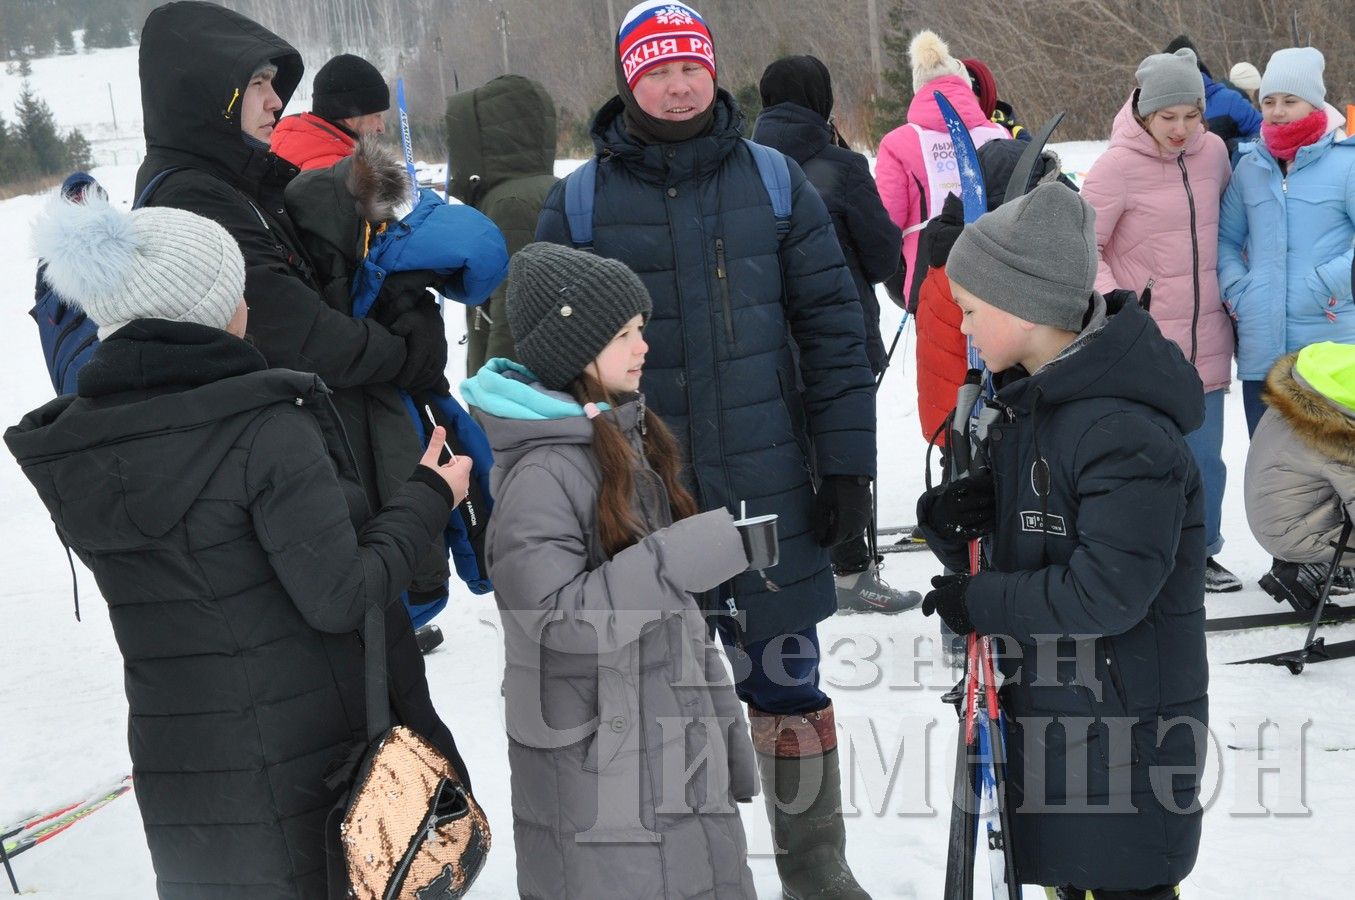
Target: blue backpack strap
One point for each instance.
(775, 174)
(144, 197)
(579, 187)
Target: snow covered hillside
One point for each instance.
(63, 715)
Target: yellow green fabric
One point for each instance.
(1329, 368)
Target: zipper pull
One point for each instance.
(719, 257)
(642, 416)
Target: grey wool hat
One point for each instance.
(565, 306)
(1034, 257)
(1169, 79)
(1297, 71)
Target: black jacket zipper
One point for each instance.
(1195, 257)
(722, 277)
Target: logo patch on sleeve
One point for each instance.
(1034, 520)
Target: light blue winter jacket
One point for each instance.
(1285, 252)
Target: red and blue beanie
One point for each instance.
(656, 32)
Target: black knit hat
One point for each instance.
(565, 306)
(349, 86)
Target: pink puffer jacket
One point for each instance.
(900, 170)
(1157, 218)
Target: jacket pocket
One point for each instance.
(722, 282)
(618, 705)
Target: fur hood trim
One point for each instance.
(1317, 421)
(379, 182)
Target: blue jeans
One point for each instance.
(779, 675)
(1252, 404)
(1206, 445)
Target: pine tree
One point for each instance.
(79, 155)
(35, 128)
(16, 163)
(890, 110)
(749, 99)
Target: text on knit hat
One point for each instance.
(656, 32)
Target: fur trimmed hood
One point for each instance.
(379, 182)
(1318, 421)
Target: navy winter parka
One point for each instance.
(869, 238)
(1105, 672)
(695, 222)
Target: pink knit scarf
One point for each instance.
(1285, 141)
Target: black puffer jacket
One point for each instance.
(1112, 553)
(195, 63)
(216, 504)
(869, 238)
(694, 220)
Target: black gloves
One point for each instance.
(841, 508)
(946, 599)
(963, 509)
(945, 230)
(425, 349)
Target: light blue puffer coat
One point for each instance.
(1285, 252)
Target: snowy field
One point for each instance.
(63, 714)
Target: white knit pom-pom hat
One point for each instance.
(152, 263)
(931, 59)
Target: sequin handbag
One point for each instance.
(410, 829)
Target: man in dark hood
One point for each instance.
(796, 118)
(746, 310)
(213, 85)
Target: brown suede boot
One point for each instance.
(797, 758)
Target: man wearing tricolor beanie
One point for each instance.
(678, 197)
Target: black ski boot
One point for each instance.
(866, 591)
(1298, 584)
(1218, 580)
(798, 761)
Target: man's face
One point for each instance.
(260, 107)
(372, 123)
(676, 92)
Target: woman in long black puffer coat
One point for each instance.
(217, 504)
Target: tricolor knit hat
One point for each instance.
(1034, 257)
(930, 58)
(349, 86)
(1245, 76)
(565, 306)
(152, 263)
(1169, 79)
(1297, 71)
(656, 32)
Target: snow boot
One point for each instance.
(798, 761)
(866, 591)
(1298, 584)
(1218, 580)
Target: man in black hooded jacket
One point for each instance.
(213, 84)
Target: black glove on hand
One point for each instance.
(946, 599)
(841, 508)
(964, 509)
(425, 350)
(944, 230)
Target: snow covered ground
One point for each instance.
(62, 711)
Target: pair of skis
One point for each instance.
(980, 795)
(42, 827)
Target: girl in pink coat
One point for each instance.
(1157, 192)
(915, 168)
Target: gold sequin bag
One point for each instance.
(412, 831)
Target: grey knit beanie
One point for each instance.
(1169, 79)
(1297, 71)
(150, 263)
(565, 306)
(1034, 257)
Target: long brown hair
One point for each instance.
(618, 526)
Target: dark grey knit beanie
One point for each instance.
(1034, 257)
(565, 306)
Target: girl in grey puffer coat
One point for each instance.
(627, 746)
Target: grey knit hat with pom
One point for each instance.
(565, 306)
(151, 263)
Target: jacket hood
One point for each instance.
(519, 414)
(802, 80)
(1128, 133)
(195, 62)
(924, 113)
(795, 130)
(503, 130)
(1319, 421)
(100, 460)
(1126, 358)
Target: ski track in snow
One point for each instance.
(63, 714)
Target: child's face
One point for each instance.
(618, 366)
(1001, 339)
(1279, 109)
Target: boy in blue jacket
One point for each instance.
(1095, 515)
